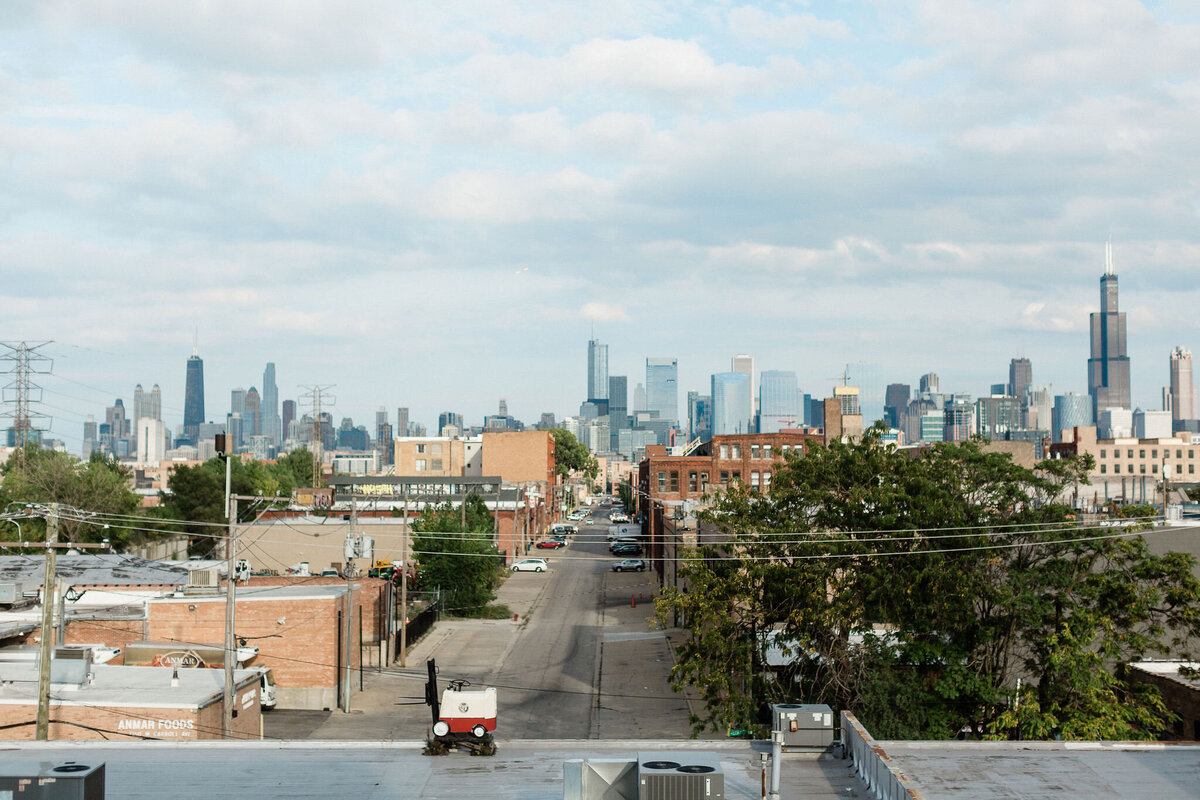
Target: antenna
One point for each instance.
(196, 341)
(1108, 261)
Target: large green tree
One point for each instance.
(453, 546)
(90, 488)
(914, 589)
(571, 455)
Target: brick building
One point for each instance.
(520, 456)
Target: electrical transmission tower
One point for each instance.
(21, 390)
(315, 398)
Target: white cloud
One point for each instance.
(603, 312)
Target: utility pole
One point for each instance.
(404, 585)
(48, 585)
(352, 545)
(230, 640)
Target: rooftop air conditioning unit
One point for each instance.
(600, 779)
(11, 593)
(49, 781)
(803, 725)
(684, 775)
(202, 579)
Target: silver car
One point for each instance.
(530, 565)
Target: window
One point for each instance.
(436, 465)
(437, 449)
(421, 448)
(420, 463)
(785, 447)
(754, 451)
(704, 481)
(674, 487)
(1191, 469)
(1130, 454)
(1142, 468)
(724, 476)
(735, 451)
(1154, 453)
(1179, 454)
(1103, 468)
(662, 481)
(1116, 468)
(754, 479)
(737, 475)
(766, 451)
(1103, 453)
(1191, 453)
(724, 451)
(1154, 468)
(766, 480)
(693, 482)
(1141, 454)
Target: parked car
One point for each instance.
(551, 544)
(530, 565)
(629, 564)
(627, 550)
(623, 541)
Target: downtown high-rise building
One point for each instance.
(253, 416)
(744, 364)
(930, 384)
(193, 396)
(271, 424)
(730, 403)
(778, 401)
(287, 418)
(1183, 398)
(597, 366)
(1070, 411)
(402, 422)
(1020, 378)
(662, 387)
(895, 404)
(1108, 367)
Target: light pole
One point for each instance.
(1166, 473)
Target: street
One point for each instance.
(581, 661)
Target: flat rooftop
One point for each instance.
(528, 770)
(122, 687)
(1048, 769)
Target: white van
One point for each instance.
(267, 684)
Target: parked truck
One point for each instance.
(198, 656)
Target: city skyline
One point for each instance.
(437, 213)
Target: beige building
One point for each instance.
(436, 456)
(1131, 470)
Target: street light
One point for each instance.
(1166, 473)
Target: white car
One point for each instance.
(530, 565)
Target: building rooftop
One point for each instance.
(1047, 769)
(294, 591)
(529, 770)
(105, 569)
(117, 686)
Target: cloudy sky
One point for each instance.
(435, 204)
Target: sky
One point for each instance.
(436, 205)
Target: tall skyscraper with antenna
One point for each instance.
(270, 422)
(193, 396)
(1108, 368)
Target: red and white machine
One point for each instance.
(460, 713)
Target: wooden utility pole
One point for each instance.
(349, 631)
(47, 650)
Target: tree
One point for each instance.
(570, 455)
(97, 486)
(458, 559)
(913, 590)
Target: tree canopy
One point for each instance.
(571, 455)
(456, 558)
(915, 589)
(98, 485)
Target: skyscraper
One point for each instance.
(402, 422)
(289, 415)
(699, 416)
(778, 401)
(744, 364)
(193, 396)
(930, 383)
(662, 387)
(1183, 388)
(597, 382)
(1108, 368)
(618, 407)
(730, 403)
(895, 403)
(253, 415)
(270, 423)
(1020, 378)
(639, 399)
(1070, 410)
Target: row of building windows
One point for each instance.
(1153, 453)
(728, 451)
(419, 465)
(1191, 468)
(432, 449)
(698, 481)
